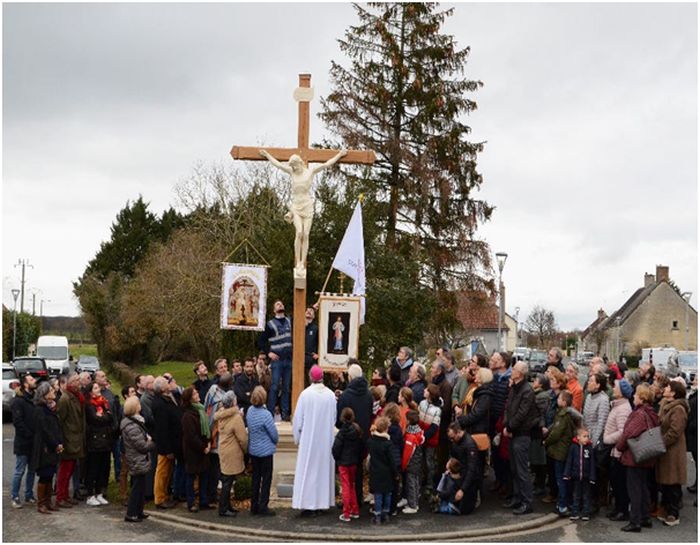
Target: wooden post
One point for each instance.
(303, 95)
(299, 321)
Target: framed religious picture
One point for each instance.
(243, 296)
(338, 331)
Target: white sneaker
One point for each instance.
(100, 498)
(409, 510)
(402, 502)
(92, 501)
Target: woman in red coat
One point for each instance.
(641, 419)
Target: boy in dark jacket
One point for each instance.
(448, 487)
(348, 448)
(383, 471)
(392, 412)
(411, 461)
(580, 469)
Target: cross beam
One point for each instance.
(303, 95)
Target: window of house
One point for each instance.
(674, 324)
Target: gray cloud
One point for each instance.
(589, 110)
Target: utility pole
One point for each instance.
(15, 293)
(24, 263)
(41, 306)
(34, 292)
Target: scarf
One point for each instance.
(100, 403)
(77, 393)
(203, 420)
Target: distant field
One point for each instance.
(181, 371)
(78, 350)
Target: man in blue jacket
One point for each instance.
(276, 341)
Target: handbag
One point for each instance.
(647, 445)
(482, 441)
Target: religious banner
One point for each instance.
(338, 331)
(243, 296)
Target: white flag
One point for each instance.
(350, 258)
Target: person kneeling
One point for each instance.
(448, 487)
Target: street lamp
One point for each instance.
(15, 294)
(501, 259)
(41, 306)
(686, 296)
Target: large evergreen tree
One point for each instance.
(405, 96)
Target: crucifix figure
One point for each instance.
(301, 206)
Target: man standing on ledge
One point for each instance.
(314, 421)
(276, 341)
(311, 343)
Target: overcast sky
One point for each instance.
(589, 111)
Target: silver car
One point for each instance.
(9, 383)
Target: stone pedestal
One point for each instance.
(283, 466)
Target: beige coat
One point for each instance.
(671, 466)
(233, 440)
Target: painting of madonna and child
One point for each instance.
(339, 322)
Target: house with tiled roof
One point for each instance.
(477, 312)
(654, 315)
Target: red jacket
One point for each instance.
(411, 441)
(640, 419)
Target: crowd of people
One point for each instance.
(420, 438)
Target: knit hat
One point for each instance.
(228, 399)
(316, 374)
(625, 388)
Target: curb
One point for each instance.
(276, 535)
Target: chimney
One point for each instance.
(662, 273)
(601, 314)
(649, 279)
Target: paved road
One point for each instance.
(106, 523)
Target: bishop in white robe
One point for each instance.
(313, 426)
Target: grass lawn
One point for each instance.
(78, 350)
(181, 371)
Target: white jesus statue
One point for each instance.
(301, 206)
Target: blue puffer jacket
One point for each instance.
(262, 433)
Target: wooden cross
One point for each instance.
(303, 95)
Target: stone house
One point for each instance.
(655, 315)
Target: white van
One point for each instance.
(659, 356)
(54, 350)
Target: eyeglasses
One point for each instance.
(169, 379)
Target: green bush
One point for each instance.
(243, 489)
(28, 331)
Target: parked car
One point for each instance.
(584, 358)
(537, 361)
(688, 365)
(31, 365)
(88, 363)
(521, 353)
(10, 383)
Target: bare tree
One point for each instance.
(542, 324)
